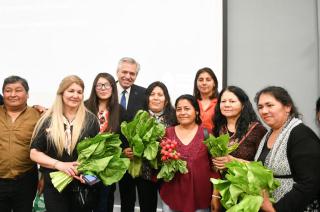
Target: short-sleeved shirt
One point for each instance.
(42, 143)
(15, 140)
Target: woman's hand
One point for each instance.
(80, 178)
(219, 162)
(70, 168)
(128, 153)
(266, 204)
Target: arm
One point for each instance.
(70, 168)
(304, 158)
(246, 150)
(219, 162)
(215, 201)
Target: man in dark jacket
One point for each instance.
(132, 98)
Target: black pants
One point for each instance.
(147, 192)
(106, 198)
(66, 200)
(17, 195)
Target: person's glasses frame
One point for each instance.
(106, 85)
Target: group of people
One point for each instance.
(31, 136)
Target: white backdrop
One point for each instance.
(43, 41)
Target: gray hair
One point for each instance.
(129, 60)
(13, 79)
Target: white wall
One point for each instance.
(275, 42)
(45, 40)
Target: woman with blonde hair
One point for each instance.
(54, 142)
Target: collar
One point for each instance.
(120, 89)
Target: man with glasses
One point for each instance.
(132, 98)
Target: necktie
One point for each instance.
(123, 101)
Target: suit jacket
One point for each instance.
(137, 101)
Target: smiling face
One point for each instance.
(230, 105)
(15, 96)
(273, 112)
(103, 89)
(127, 74)
(72, 96)
(157, 100)
(205, 84)
(185, 112)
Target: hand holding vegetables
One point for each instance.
(219, 162)
(142, 133)
(171, 162)
(219, 149)
(99, 156)
(128, 153)
(70, 168)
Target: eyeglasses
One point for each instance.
(106, 85)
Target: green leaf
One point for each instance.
(137, 146)
(135, 167)
(115, 171)
(94, 165)
(151, 150)
(170, 168)
(242, 186)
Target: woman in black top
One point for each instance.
(291, 150)
(55, 139)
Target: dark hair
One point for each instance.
(14, 79)
(193, 101)
(247, 114)
(168, 112)
(92, 103)
(281, 95)
(196, 91)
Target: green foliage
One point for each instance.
(99, 156)
(219, 146)
(143, 133)
(170, 167)
(241, 190)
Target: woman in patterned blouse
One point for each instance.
(103, 102)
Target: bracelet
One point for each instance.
(55, 163)
(216, 196)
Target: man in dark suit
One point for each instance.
(132, 98)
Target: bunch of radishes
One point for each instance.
(168, 150)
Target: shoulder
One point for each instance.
(302, 135)
(33, 112)
(138, 88)
(302, 131)
(260, 128)
(90, 116)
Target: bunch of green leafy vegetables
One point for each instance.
(170, 161)
(241, 190)
(143, 133)
(170, 167)
(99, 156)
(219, 146)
